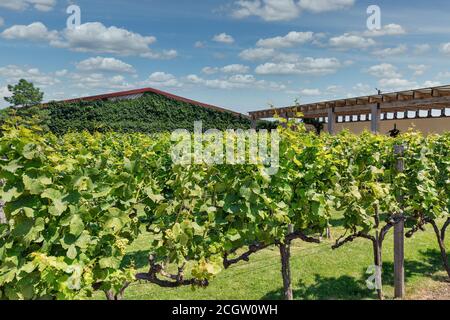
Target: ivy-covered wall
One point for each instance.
(151, 113)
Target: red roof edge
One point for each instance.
(151, 90)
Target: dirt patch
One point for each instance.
(438, 292)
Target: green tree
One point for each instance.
(24, 94)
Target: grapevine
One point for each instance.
(74, 202)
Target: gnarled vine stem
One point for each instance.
(256, 247)
(172, 280)
(440, 235)
(377, 241)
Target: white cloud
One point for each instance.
(219, 55)
(351, 41)
(429, 84)
(13, 73)
(388, 52)
(419, 69)
(210, 70)
(285, 10)
(4, 92)
(362, 89)
(386, 30)
(397, 84)
(162, 79)
(232, 68)
(91, 37)
(291, 39)
(421, 48)
(334, 89)
(445, 48)
(100, 81)
(348, 63)
(61, 73)
(105, 64)
(216, 83)
(199, 44)
(257, 54)
(223, 38)
(20, 5)
(384, 70)
(238, 81)
(36, 31)
(269, 10)
(163, 55)
(242, 79)
(95, 37)
(56, 96)
(325, 5)
(443, 75)
(286, 57)
(193, 78)
(235, 68)
(310, 92)
(313, 66)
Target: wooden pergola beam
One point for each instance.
(406, 96)
(427, 98)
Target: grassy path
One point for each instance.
(318, 272)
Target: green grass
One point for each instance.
(318, 272)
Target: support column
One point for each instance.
(253, 123)
(331, 121)
(375, 114)
(285, 116)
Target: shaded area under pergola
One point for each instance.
(410, 104)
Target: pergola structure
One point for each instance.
(374, 108)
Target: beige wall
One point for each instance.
(426, 125)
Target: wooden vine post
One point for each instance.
(2, 214)
(378, 259)
(2, 204)
(253, 123)
(399, 235)
(285, 253)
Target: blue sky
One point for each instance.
(240, 54)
